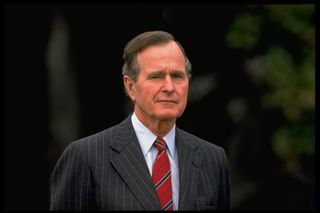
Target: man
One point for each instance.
(145, 162)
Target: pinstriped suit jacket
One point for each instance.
(107, 171)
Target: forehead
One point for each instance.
(161, 53)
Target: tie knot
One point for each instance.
(160, 144)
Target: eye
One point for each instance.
(178, 75)
(155, 76)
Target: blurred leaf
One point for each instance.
(298, 19)
(289, 81)
(295, 139)
(244, 32)
(281, 142)
(291, 87)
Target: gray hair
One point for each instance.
(142, 41)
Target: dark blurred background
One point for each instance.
(252, 90)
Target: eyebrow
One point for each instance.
(162, 72)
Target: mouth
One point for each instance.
(167, 101)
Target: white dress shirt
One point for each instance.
(146, 139)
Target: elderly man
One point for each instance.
(145, 162)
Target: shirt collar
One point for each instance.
(146, 137)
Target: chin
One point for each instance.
(168, 115)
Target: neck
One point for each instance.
(156, 126)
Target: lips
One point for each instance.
(168, 101)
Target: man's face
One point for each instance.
(161, 89)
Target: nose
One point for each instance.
(168, 84)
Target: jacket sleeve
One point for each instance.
(71, 182)
(224, 191)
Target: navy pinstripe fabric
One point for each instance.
(107, 171)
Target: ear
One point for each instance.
(129, 84)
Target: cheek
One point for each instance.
(145, 94)
(184, 92)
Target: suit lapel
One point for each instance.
(131, 165)
(189, 162)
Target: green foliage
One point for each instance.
(298, 19)
(244, 32)
(292, 141)
(292, 87)
(290, 82)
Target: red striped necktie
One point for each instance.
(161, 175)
